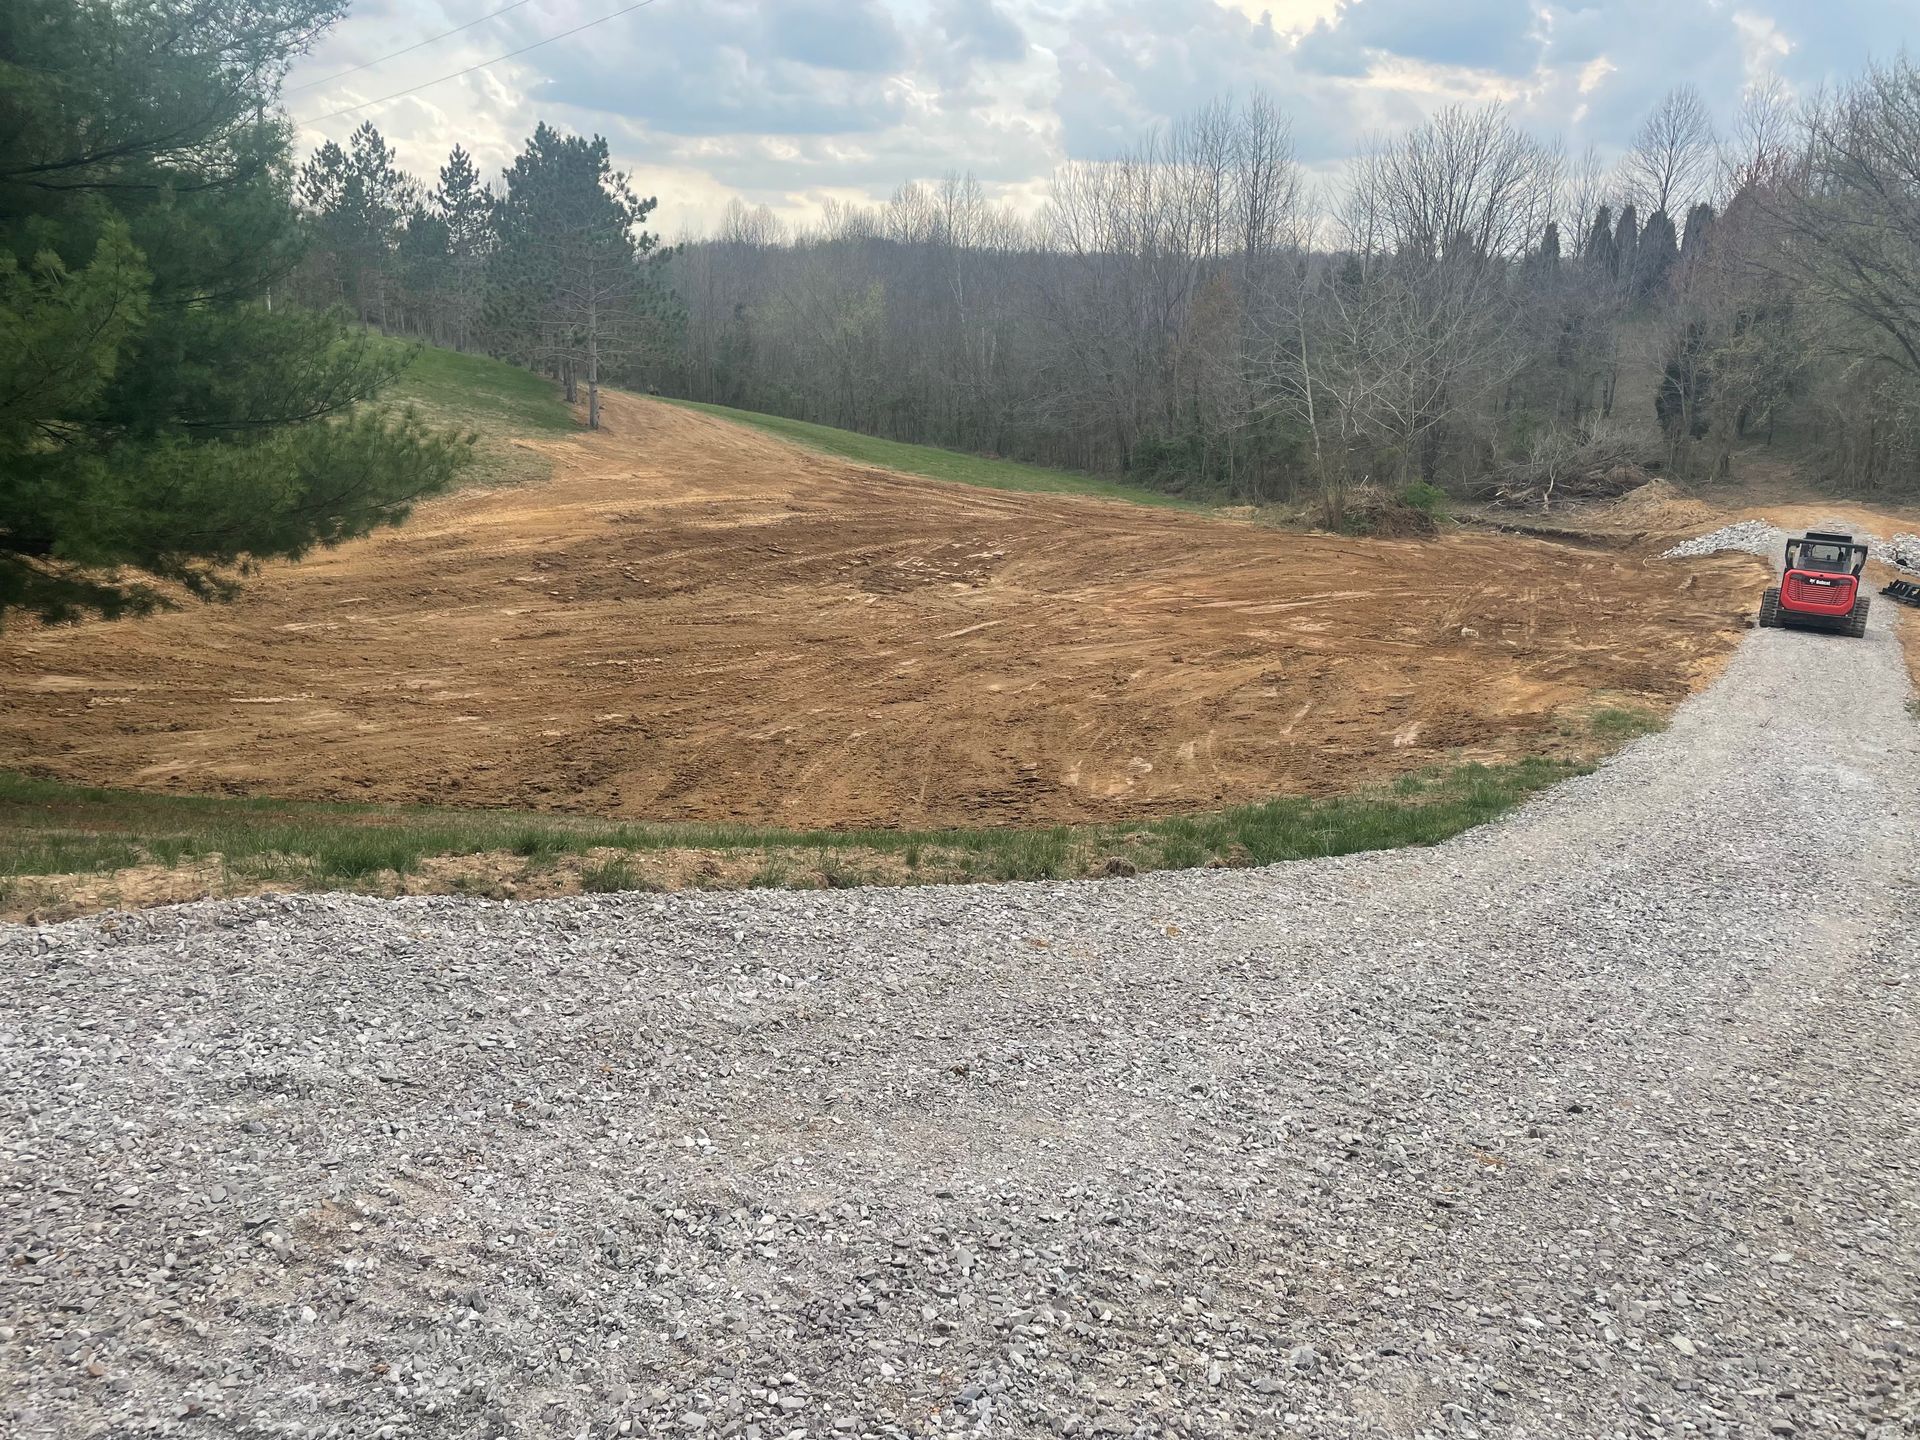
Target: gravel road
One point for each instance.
(1600, 1121)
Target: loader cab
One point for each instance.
(1826, 552)
(1821, 587)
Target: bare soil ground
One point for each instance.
(693, 621)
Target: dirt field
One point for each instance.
(694, 621)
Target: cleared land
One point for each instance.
(693, 621)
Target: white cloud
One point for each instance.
(790, 102)
(1762, 44)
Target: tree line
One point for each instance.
(554, 270)
(1466, 308)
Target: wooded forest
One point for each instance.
(1464, 307)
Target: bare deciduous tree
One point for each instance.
(1853, 210)
(1762, 146)
(1584, 193)
(1393, 348)
(1671, 158)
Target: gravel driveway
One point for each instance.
(1600, 1121)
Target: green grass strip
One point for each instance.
(48, 827)
(938, 464)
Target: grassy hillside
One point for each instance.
(496, 401)
(502, 402)
(937, 464)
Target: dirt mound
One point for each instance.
(694, 621)
(1657, 507)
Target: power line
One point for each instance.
(415, 89)
(368, 65)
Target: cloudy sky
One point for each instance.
(794, 102)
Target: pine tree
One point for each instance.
(1626, 243)
(423, 265)
(465, 207)
(359, 200)
(161, 427)
(1657, 255)
(569, 269)
(1600, 252)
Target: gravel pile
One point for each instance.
(1758, 538)
(1601, 1121)
(1754, 536)
(1900, 551)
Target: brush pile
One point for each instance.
(1563, 470)
(1385, 515)
(1534, 489)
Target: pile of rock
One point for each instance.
(1901, 551)
(1754, 536)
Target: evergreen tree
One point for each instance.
(464, 203)
(160, 425)
(1550, 247)
(359, 200)
(1699, 225)
(465, 207)
(1658, 253)
(423, 265)
(1626, 243)
(1600, 252)
(570, 278)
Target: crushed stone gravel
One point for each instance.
(1756, 537)
(1598, 1121)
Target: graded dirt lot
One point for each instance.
(695, 621)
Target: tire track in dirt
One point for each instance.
(696, 621)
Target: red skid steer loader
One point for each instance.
(1820, 589)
